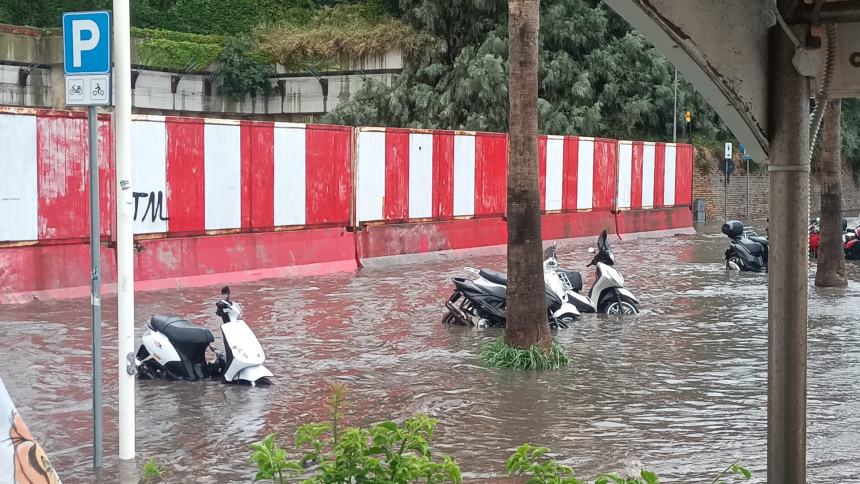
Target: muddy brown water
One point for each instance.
(680, 390)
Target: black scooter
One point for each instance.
(482, 301)
(747, 251)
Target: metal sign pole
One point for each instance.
(748, 188)
(95, 296)
(675, 112)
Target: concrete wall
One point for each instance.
(294, 97)
(710, 187)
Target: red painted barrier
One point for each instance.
(220, 201)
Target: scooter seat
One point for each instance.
(180, 330)
(759, 239)
(575, 279)
(754, 248)
(494, 276)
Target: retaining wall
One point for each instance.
(711, 188)
(224, 201)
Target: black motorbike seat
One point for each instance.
(759, 239)
(754, 248)
(180, 330)
(494, 276)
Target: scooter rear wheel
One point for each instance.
(449, 319)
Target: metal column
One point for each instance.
(788, 277)
(95, 295)
(124, 229)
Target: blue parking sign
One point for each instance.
(86, 42)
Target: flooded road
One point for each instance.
(680, 390)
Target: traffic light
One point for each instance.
(688, 116)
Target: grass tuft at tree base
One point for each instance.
(497, 354)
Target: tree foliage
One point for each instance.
(243, 71)
(597, 76)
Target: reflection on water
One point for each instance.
(681, 389)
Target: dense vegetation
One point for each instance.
(223, 17)
(598, 77)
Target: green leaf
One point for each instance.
(649, 477)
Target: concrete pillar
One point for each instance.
(787, 277)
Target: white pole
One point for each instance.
(675, 112)
(124, 229)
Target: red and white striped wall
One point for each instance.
(189, 176)
(577, 173)
(227, 196)
(654, 175)
(44, 173)
(405, 174)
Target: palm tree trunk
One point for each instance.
(527, 323)
(831, 255)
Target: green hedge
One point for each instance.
(223, 17)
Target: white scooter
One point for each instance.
(608, 294)
(175, 349)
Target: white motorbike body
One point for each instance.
(160, 347)
(244, 354)
(248, 356)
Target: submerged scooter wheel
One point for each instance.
(734, 264)
(622, 306)
(449, 319)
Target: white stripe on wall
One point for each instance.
(625, 173)
(669, 177)
(149, 175)
(290, 179)
(223, 176)
(554, 173)
(585, 175)
(464, 175)
(371, 175)
(648, 176)
(420, 175)
(19, 186)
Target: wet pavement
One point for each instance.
(680, 390)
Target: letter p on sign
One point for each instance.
(80, 45)
(86, 43)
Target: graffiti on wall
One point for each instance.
(153, 206)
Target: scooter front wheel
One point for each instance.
(621, 306)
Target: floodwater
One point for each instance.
(680, 390)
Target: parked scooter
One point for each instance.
(175, 349)
(608, 294)
(747, 251)
(482, 301)
(851, 245)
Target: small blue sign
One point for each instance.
(86, 42)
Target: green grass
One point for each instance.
(497, 354)
(152, 472)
